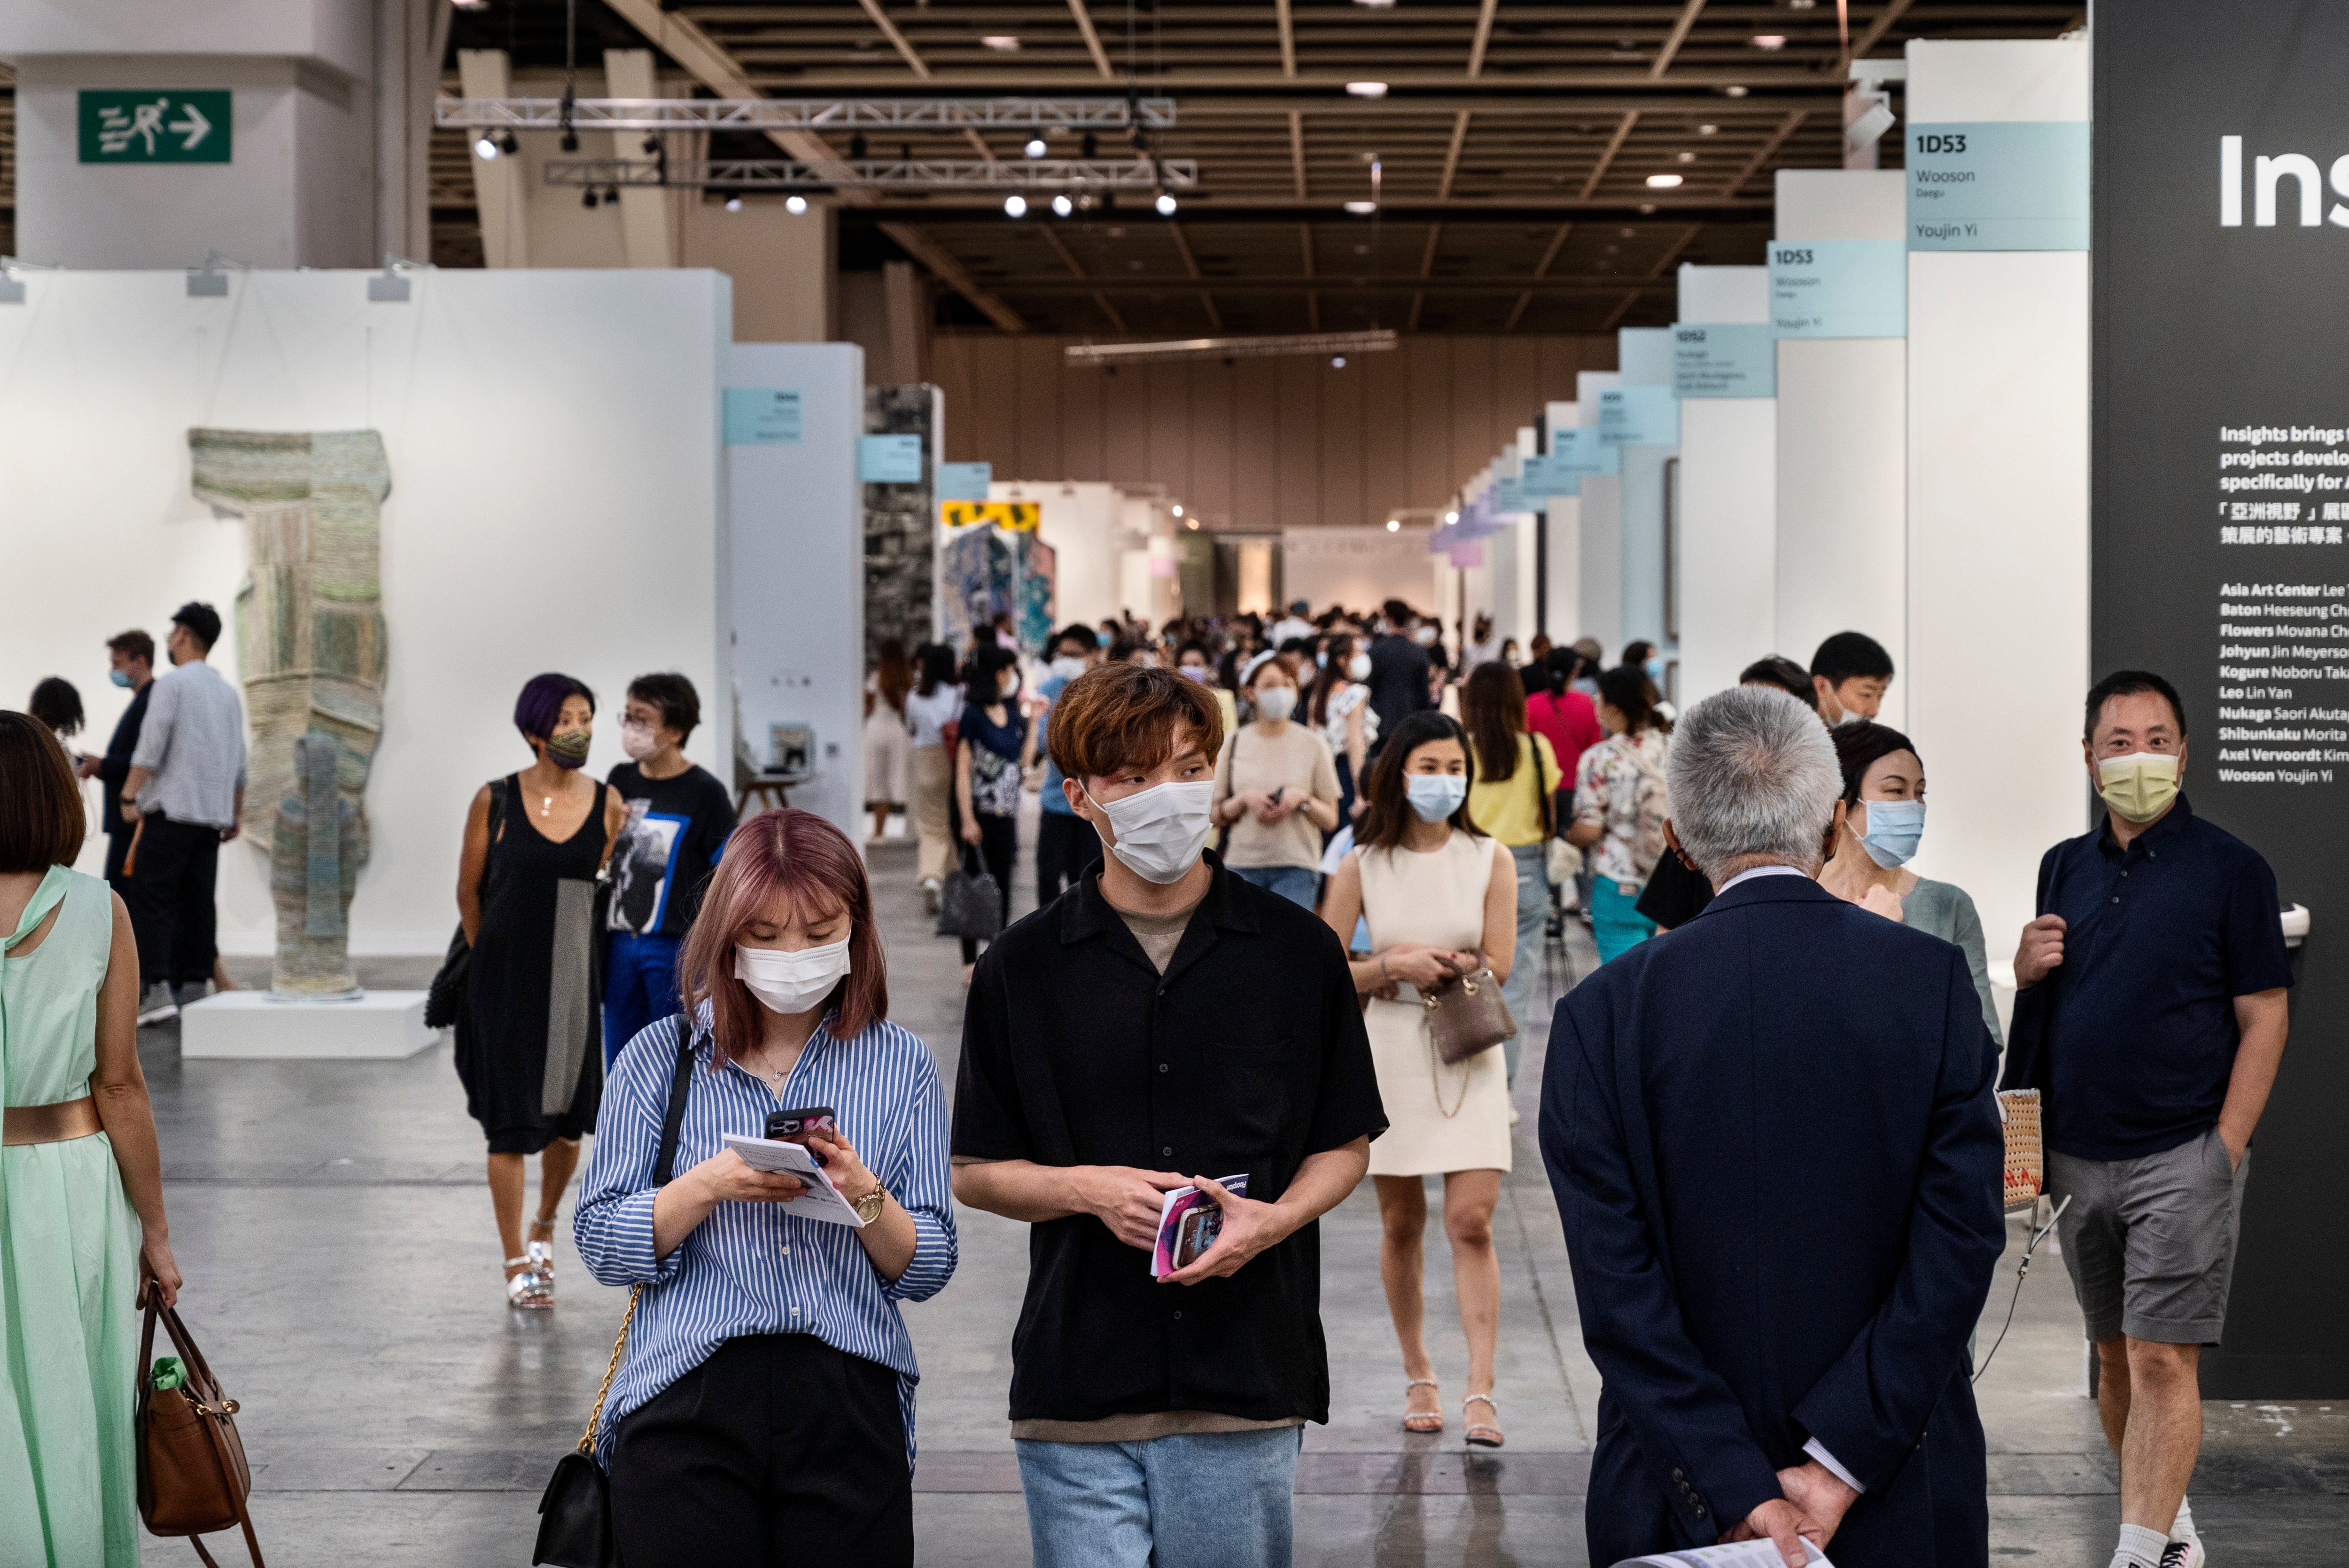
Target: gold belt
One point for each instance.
(56, 1123)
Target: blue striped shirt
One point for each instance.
(755, 1268)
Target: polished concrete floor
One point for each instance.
(343, 1277)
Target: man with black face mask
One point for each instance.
(1163, 1024)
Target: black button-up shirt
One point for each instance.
(1247, 1054)
(2133, 1036)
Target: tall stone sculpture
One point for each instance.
(311, 646)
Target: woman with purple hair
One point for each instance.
(528, 1036)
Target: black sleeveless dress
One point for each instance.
(528, 1040)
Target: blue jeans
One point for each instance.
(1207, 1500)
(1616, 923)
(1524, 985)
(639, 986)
(1295, 883)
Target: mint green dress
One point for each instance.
(69, 1260)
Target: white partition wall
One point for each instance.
(1598, 528)
(1080, 521)
(1562, 542)
(1728, 502)
(1645, 356)
(1361, 568)
(1997, 509)
(1843, 408)
(534, 524)
(797, 578)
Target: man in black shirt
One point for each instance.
(132, 658)
(679, 820)
(1162, 1023)
(1399, 666)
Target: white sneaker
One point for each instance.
(2186, 1553)
(156, 1004)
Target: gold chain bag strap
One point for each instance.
(574, 1516)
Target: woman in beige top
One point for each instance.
(1276, 791)
(1441, 898)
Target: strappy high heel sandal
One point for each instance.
(1482, 1434)
(1421, 1421)
(526, 1288)
(540, 1255)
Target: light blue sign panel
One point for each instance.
(889, 459)
(762, 417)
(1509, 496)
(1839, 288)
(1724, 360)
(1574, 454)
(1998, 185)
(1638, 416)
(965, 481)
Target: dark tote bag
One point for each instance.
(574, 1516)
(970, 901)
(445, 997)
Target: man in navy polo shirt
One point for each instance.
(2151, 1015)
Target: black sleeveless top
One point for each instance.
(529, 1043)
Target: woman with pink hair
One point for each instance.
(767, 1392)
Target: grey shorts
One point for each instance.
(2150, 1242)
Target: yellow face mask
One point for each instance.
(2139, 787)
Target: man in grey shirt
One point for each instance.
(185, 791)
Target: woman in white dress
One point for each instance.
(1441, 898)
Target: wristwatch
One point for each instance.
(869, 1207)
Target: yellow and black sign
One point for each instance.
(1019, 516)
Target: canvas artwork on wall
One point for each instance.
(311, 647)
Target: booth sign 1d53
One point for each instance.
(154, 125)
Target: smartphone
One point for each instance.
(793, 1126)
(1195, 1232)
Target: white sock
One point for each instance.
(2183, 1530)
(2140, 1547)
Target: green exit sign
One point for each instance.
(125, 125)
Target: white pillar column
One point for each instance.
(1998, 508)
(1843, 411)
(1728, 488)
(1600, 529)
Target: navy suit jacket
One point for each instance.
(1776, 1154)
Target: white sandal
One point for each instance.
(1482, 1434)
(1409, 1416)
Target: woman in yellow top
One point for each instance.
(1513, 805)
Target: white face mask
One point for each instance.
(1068, 667)
(1424, 636)
(1359, 667)
(1436, 796)
(639, 741)
(1277, 702)
(790, 982)
(1161, 830)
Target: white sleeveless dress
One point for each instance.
(1439, 1117)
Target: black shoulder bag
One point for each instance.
(574, 1516)
(445, 997)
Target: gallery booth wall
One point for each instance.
(556, 503)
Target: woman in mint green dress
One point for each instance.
(82, 1188)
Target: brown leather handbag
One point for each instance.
(1467, 1015)
(192, 1477)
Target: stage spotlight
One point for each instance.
(486, 148)
(795, 205)
(1015, 206)
(1165, 205)
(733, 204)
(1063, 206)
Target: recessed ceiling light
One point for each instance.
(795, 205)
(1015, 206)
(1769, 40)
(1362, 209)
(1662, 181)
(1366, 89)
(1800, 4)
(1688, 158)
(1708, 130)
(1451, 517)
(1646, 207)
(1003, 42)
(1733, 90)
(1178, 512)
(1337, 362)
(1394, 525)
(1627, 233)
(1063, 206)
(1165, 205)
(1376, 5)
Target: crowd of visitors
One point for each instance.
(1269, 859)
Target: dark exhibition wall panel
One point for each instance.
(1259, 443)
(2220, 478)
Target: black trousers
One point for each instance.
(170, 898)
(998, 847)
(777, 1450)
(1067, 847)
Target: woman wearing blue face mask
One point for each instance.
(1620, 808)
(1441, 898)
(1879, 823)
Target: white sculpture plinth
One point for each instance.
(381, 1024)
